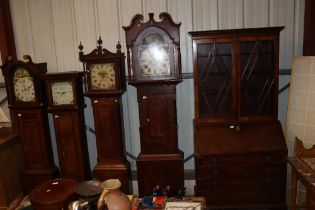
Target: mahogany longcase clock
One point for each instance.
(105, 82)
(27, 104)
(66, 103)
(154, 68)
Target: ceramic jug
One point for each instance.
(112, 198)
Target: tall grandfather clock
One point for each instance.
(105, 82)
(27, 104)
(66, 103)
(154, 68)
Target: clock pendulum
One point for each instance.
(27, 105)
(155, 69)
(105, 83)
(66, 103)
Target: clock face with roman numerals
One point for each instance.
(103, 76)
(23, 85)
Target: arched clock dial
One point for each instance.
(103, 76)
(23, 86)
(154, 57)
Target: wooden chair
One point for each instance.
(303, 169)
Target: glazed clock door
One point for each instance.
(215, 81)
(158, 125)
(258, 81)
(71, 149)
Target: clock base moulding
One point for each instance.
(121, 171)
(33, 178)
(160, 169)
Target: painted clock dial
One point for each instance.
(154, 56)
(62, 93)
(103, 76)
(23, 85)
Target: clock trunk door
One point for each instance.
(108, 129)
(36, 140)
(158, 126)
(71, 160)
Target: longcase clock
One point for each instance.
(105, 83)
(27, 104)
(154, 68)
(66, 103)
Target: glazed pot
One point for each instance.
(112, 198)
(88, 192)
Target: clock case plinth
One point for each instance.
(30, 121)
(69, 126)
(160, 159)
(108, 117)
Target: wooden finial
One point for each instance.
(118, 47)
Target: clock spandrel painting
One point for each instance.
(154, 56)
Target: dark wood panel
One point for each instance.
(37, 151)
(158, 124)
(249, 138)
(160, 169)
(11, 163)
(7, 44)
(72, 146)
(107, 117)
(111, 159)
(309, 28)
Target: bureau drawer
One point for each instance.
(241, 171)
(245, 196)
(238, 182)
(265, 158)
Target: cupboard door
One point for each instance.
(158, 126)
(215, 80)
(258, 79)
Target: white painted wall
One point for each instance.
(50, 31)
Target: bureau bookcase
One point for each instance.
(240, 150)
